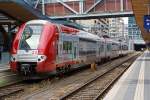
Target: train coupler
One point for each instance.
(25, 69)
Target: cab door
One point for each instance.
(75, 49)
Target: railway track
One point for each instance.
(58, 89)
(11, 89)
(91, 90)
(8, 78)
(9, 83)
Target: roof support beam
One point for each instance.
(95, 16)
(81, 6)
(68, 7)
(37, 2)
(94, 5)
(43, 7)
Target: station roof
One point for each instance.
(20, 11)
(140, 8)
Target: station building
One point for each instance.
(99, 27)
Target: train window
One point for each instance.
(31, 36)
(102, 48)
(75, 52)
(67, 47)
(108, 47)
(114, 47)
(99, 50)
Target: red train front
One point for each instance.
(33, 49)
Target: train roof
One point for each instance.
(87, 35)
(81, 33)
(62, 22)
(115, 41)
(69, 24)
(37, 22)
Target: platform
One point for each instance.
(135, 82)
(4, 62)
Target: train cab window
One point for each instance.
(30, 37)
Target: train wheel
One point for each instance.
(59, 72)
(69, 67)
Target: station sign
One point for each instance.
(147, 22)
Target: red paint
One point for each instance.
(13, 66)
(16, 40)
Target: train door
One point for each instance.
(69, 45)
(59, 46)
(98, 51)
(59, 51)
(105, 49)
(74, 49)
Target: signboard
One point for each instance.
(147, 22)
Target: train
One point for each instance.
(41, 47)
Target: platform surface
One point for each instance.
(135, 82)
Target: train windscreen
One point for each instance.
(30, 37)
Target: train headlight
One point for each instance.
(41, 58)
(13, 58)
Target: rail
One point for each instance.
(81, 88)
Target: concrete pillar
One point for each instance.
(121, 5)
(43, 7)
(81, 6)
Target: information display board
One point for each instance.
(147, 22)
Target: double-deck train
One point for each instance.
(42, 47)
